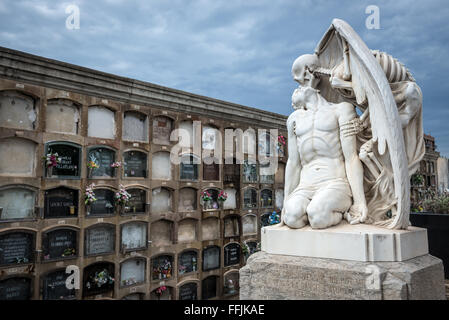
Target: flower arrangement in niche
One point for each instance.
(161, 290)
(274, 218)
(117, 164)
(281, 140)
(69, 252)
(206, 196)
(92, 165)
(99, 279)
(89, 195)
(222, 196)
(281, 144)
(122, 196)
(51, 160)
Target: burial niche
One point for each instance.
(209, 287)
(162, 128)
(17, 203)
(249, 172)
(161, 267)
(101, 123)
(210, 228)
(100, 239)
(231, 254)
(211, 172)
(70, 157)
(249, 198)
(134, 236)
(187, 262)
(104, 204)
(280, 173)
(161, 233)
(211, 258)
(98, 278)
(12, 161)
(137, 202)
(279, 197)
(104, 158)
(188, 291)
(231, 172)
(188, 168)
(266, 144)
(249, 224)
(162, 293)
(209, 199)
(187, 200)
(231, 201)
(17, 111)
(187, 230)
(231, 226)
(161, 200)
(62, 116)
(187, 132)
(210, 138)
(132, 271)
(16, 288)
(266, 174)
(161, 166)
(17, 247)
(54, 286)
(252, 247)
(135, 164)
(266, 198)
(60, 244)
(135, 126)
(61, 202)
(231, 283)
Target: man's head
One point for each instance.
(302, 70)
(301, 96)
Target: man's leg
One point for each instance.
(294, 214)
(327, 207)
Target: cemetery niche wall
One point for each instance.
(106, 139)
(15, 288)
(188, 291)
(162, 267)
(187, 262)
(232, 254)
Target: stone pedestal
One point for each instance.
(280, 277)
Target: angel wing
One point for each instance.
(364, 82)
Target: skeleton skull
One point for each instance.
(302, 70)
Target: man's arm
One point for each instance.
(293, 167)
(353, 165)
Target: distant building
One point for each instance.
(443, 174)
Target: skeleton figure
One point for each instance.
(389, 132)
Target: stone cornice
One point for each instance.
(23, 67)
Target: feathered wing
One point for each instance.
(370, 89)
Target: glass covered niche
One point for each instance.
(17, 203)
(103, 157)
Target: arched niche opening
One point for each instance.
(132, 271)
(209, 287)
(249, 172)
(252, 247)
(266, 173)
(161, 233)
(209, 199)
(12, 160)
(59, 244)
(280, 173)
(98, 278)
(162, 267)
(137, 204)
(188, 168)
(99, 239)
(249, 198)
(135, 164)
(17, 202)
(231, 226)
(17, 247)
(266, 198)
(54, 286)
(62, 116)
(187, 134)
(18, 110)
(187, 200)
(69, 165)
(211, 140)
(188, 291)
(104, 157)
(16, 288)
(105, 204)
(187, 230)
(162, 128)
(231, 172)
(210, 228)
(232, 200)
(211, 258)
(232, 254)
(267, 144)
(162, 293)
(187, 262)
(231, 283)
(134, 236)
(161, 167)
(101, 122)
(279, 198)
(61, 202)
(249, 224)
(211, 169)
(135, 126)
(162, 200)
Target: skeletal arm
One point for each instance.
(293, 167)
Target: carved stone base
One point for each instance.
(279, 277)
(360, 242)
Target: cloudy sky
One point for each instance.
(238, 51)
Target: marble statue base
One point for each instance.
(281, 277)
(359, 242)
